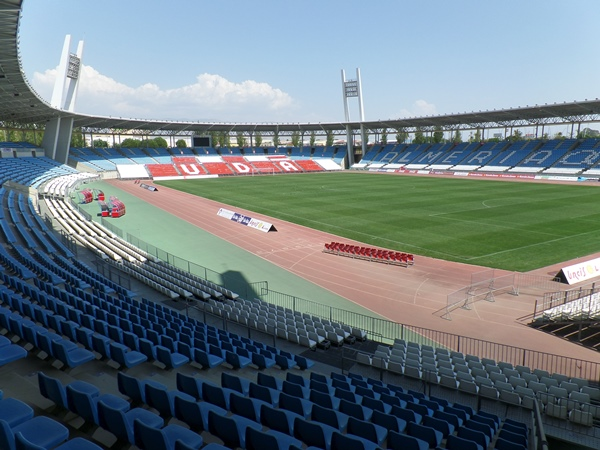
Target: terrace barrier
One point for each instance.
(379, 329)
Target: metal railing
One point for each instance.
(553, 299)
(377, 328)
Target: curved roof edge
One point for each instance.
(20, 103)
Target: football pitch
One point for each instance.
(500, 224)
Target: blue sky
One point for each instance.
(280, 61)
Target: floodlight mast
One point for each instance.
(353, 88)
(57, 135)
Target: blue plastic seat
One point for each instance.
(231, 430)
(148, 348)
(100, 344)
(376, 405)
(401, 441)
(330, 417)
(190, 385)
(70, 356)
(194, 413)
(85, 405)
(237, 361)
(388, 421)
(261, 440)
(297, 379)
(474, 435)
(72, 444)
(425, 433)
(262, 362)
(151, 438)
(216, 395)
(355, 410)
(206, 359)
(269, 381)
(314, 433)
(170, 359)
(325, 400)
(15, 412)
(297, 405)
(367, 430)
(303, 363)
(120, 423)
(132, 387)
(503, 444)
(235, 383)
(444, 427)
(246, 406)
(295, 390)
(159, 397)
(264, 393)
(341, 441)
(284, 362)
(278, 419)
(406, 414)
(41, 431)
(452, 419)
(484, 428)
(517, 438)
(455, 442)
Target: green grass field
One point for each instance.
(507, 225)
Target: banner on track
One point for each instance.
(580, 272)
(246, 220)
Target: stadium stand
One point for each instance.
(72, 318)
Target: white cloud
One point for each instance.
(210, 98)
(419, 108)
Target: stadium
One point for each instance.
(392, 295)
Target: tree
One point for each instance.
(329, 138)
(457, 139)
(100, 143)
(476, 137)
(401, 136)
(131, 143)
(77, 138)
(313, 138)
(276, 140)
(240, 139)
(384, 136)
(516, 136)
(419, 136)
(180, 143)
(296, 139)
(438, 134)
(257, 139)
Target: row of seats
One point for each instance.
(560, 396)
(21, 429)
(370, 253)
(136, 426)
(352, 405)
(127, 335)
(268, 313)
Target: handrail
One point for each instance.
(384, 330)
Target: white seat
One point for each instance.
(527, 396)
(396, 367)
(554, 410)
(510, 397)
(488, 391)
(363, 358)
(581, 417)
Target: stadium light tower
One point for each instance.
(57, 136)
(353, 88)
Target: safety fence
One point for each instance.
(487, 284)
(553, 299)
(377, 328)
